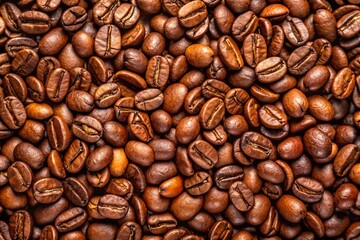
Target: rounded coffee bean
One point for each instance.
(70, 219)
(20, 176)
(47, 190)
(112, 206)
(291, 208)
(241, 196)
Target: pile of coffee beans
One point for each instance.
(179, 119)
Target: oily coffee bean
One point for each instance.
(70, 219)
(20, 176)
(203, 154)
(87, 128)
(307, 189)
(256, 145)
(21, 225)
(112, 206)
(192, 13)
(47, 190)
(108, 41)
(241, 196)
(76, 192)
(198, 184)
(12, 112)
(34, 22)
(270, 70)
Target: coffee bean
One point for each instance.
(20, 176)
(47, 190)
(21, 225)
(112, 206)
(70, 219)
(203, 154)
(108, 41)
(192, 13)
(241, 196)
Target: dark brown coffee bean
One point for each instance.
(20, 176)
(112, 206)
(212, 113)
(75, 156)
(256, 145)
(140, 126)
(244, 24)
(80, 101)
(126, 16)
(254, 49)
(47, 190)
(34, 22)
(157, 72)
(129, 230)
(14, 85)
(291, 208)
(214, 88)
(203, 154)
(301, 60)
(21, 225)
(192, 13)
(308, 189)
(76, 192)
(343, 83)
(73, 18)
(275, 12)
(70, 219)
(29, 154)
(227, 175)
(229, 53)
(295, 31)
(198, 184)
(87, 128)
(25, 62)
(108, 41)
(241, 196)
(58, 133)
(57, 84)
(45, 66)
(148, 99)
(317, 143)
(11, 15)
(346, 159)
(270, 70)
(99, 158)
(272, 117)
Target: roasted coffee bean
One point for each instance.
(70, 219)
(47, 190)
(230, 53)
(212, 113)
(140, 126)
(241, 196)
(198, 184)
(34, 22)
(21, 225)
(20, 176)
(307, 189)
(73, 18)
(192, 13)
(203, 154)
(256, 145)
(58, 133)
(301, 60)
(112, 206)
(270, 70)
(87, 128)
(76, 192)
(12, 112)
(108, 41)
